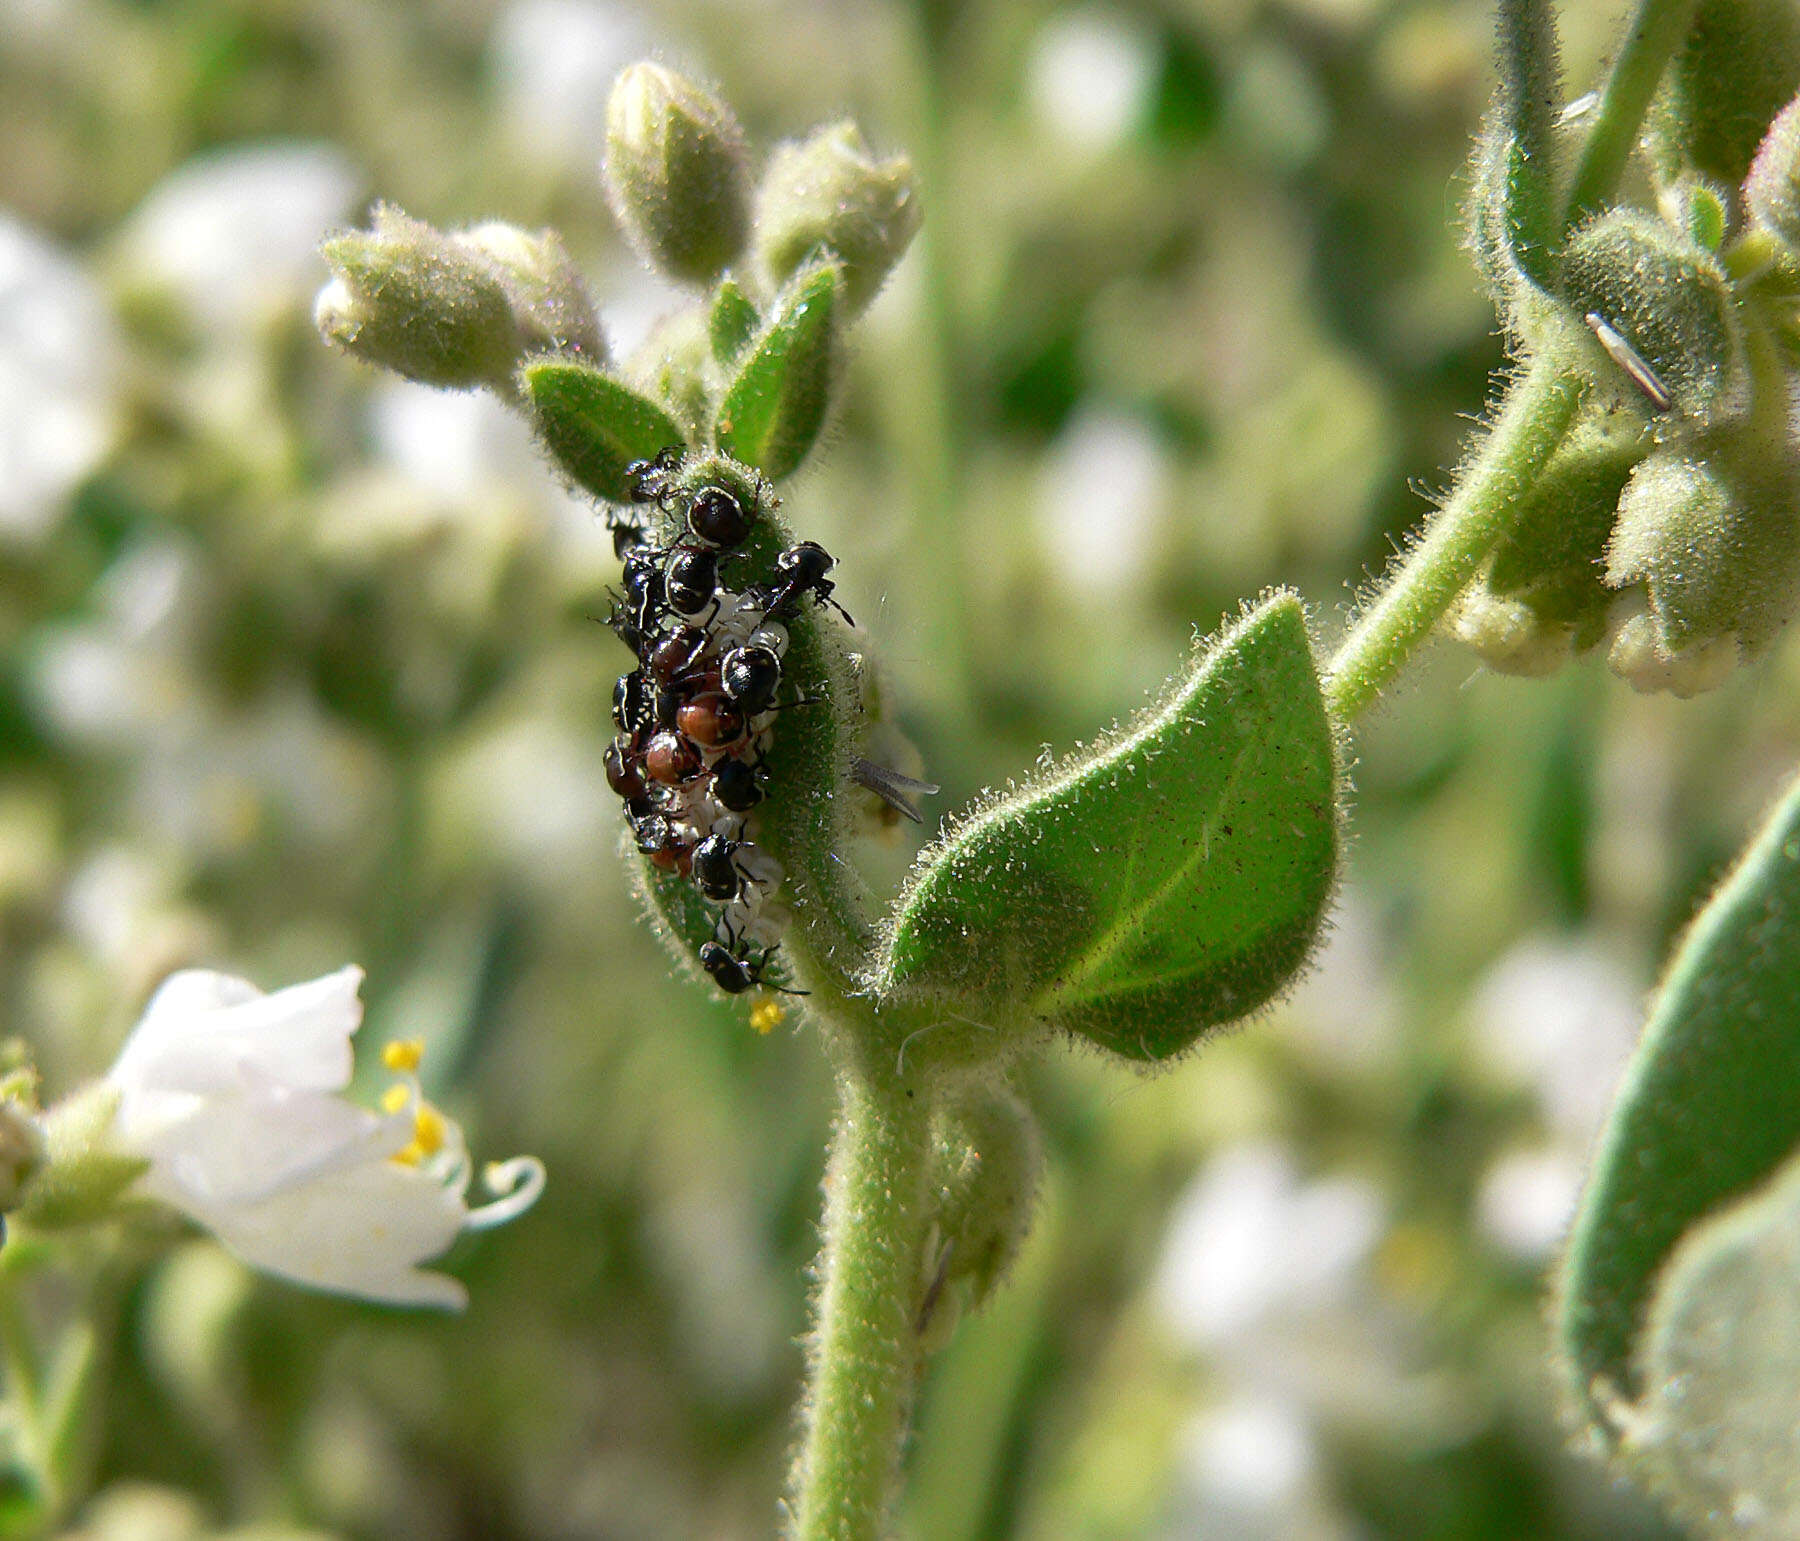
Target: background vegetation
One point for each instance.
(300, 665)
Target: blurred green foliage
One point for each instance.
(304, 668)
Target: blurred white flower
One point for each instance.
(1527, 1200)
(58, 370)
(1249, 1238)
(554, 62)
(1561, 1017)
(232, 1097)
(234, 233)
(1103, 499)
(1090, 77)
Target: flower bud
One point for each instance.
(1640, 659)
(1772, 190)
(1543, 594)
(1712, 531)
(1662, 310)
(550, 302)
(21, 1151)
(414, 300)
(987, 1162)
(1693, 204)
(673, 364)
(1510, 637)
(676, 172)
(829, 196)
(84, 1172)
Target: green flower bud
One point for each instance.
(1660, 308)
(1696, 206)
(1543, 595)
(674, 364)
(1739, 67)
(419, 302)
(21, 1151)
(1712, 531)
(828, 196)
(550, 302)
(83, 1175)
(677, 173)
(987, 1162)
(1772, 190)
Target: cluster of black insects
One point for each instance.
(695, 716)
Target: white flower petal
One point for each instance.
(229, 1094)
(205, 1033)
(361, 1231)
(242, 1149)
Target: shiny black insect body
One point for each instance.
(691, 581)
(750, 676)
(735, 974)
(801, 570)
(715, 517)
(737, 784)
(716, 872)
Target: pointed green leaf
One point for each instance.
(594, 424)
(773, 411)
(1709, 1108)
(1171, 880)
(732, 321)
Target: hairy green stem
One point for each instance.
(1656, 32)
(864, 1350)
(1532, 423)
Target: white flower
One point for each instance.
(58, 377)
(232, 1097)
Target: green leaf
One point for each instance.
(772, 412)
(1173, 879)
(732, 321)
(595, 425)
(1715, 1437)
(1708, 1109)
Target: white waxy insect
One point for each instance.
(1630, 360)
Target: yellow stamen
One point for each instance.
(410, 1155)
(395, 1098)
(403, 1054)
(428, 1129)
(767, 1015)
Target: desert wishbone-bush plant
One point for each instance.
(1634, 487)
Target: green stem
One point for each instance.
(1532, 423)
(864, 1351)
(23, 1381)
(1656, 32)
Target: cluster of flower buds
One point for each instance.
(697, 713)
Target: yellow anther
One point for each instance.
(410, 1155)
(767, 1015)
(428, 1129)
(403, 1054)
(395, 1098)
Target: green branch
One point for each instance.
(1532, 423)
(1656, 32)
(864, 1351)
